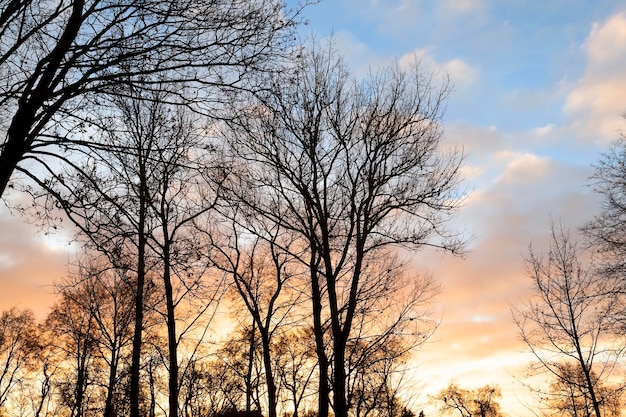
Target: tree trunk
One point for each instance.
(109, 405)
(249, 370)
(139, 295)
(339, 377)
(318, 331)
(269, 376)
(171, 336)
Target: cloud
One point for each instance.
(522, 167)
(29, 263)
(359, 57)
(595, 104)
(514, 190)
(460, 72)
(462, 7)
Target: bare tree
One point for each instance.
(35, 391)
(239, 367)
(606, 233)
(137, 202)
(19, 346)
(569, 395)
(296, 363)
(394, 317)
(107, 295)
(73, 329)
(262, 273)
(481, 402)
(569, 320)
(59, 60)
(352, 169)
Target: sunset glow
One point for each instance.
(538, 95)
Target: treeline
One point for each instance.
(222, 179)
(242, 203)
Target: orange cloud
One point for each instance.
(596, 103)
(29, 264)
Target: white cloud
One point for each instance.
(461, 7)
(543, 131)
(359, 57)
(460, 72)
(522, 167)
(595, 104)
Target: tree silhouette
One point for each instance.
(568, 394)
(60, 61)
(480, 402)
(569, 319)
(350, 169)
(19, 345)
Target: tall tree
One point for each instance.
(136, 202)
(569, 319)
(352, 169)
(59, 59)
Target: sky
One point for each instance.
(538, 96)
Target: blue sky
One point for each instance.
(520, 51)
(539, 93)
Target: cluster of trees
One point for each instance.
(574, 325)
(221, 178)
(224, 179)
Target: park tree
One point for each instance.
(136, 201)
(19, 347)
(73, 330)
(569, 396)
(296, 363)
(606, 232)
(106, 294)
(569, 318)
(352, 168)
(60, 59)
(240, 366)
(261, 273)
(480, 402)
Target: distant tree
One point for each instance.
(60, 59)
(107, 295)
(294, 354)
(34, 394)
(569, 319)
(392, 320)
(262, 272)
(351, 169)
(19, 347)
(569, 396)
(241, 367)
(74, 335)
(480, 402)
